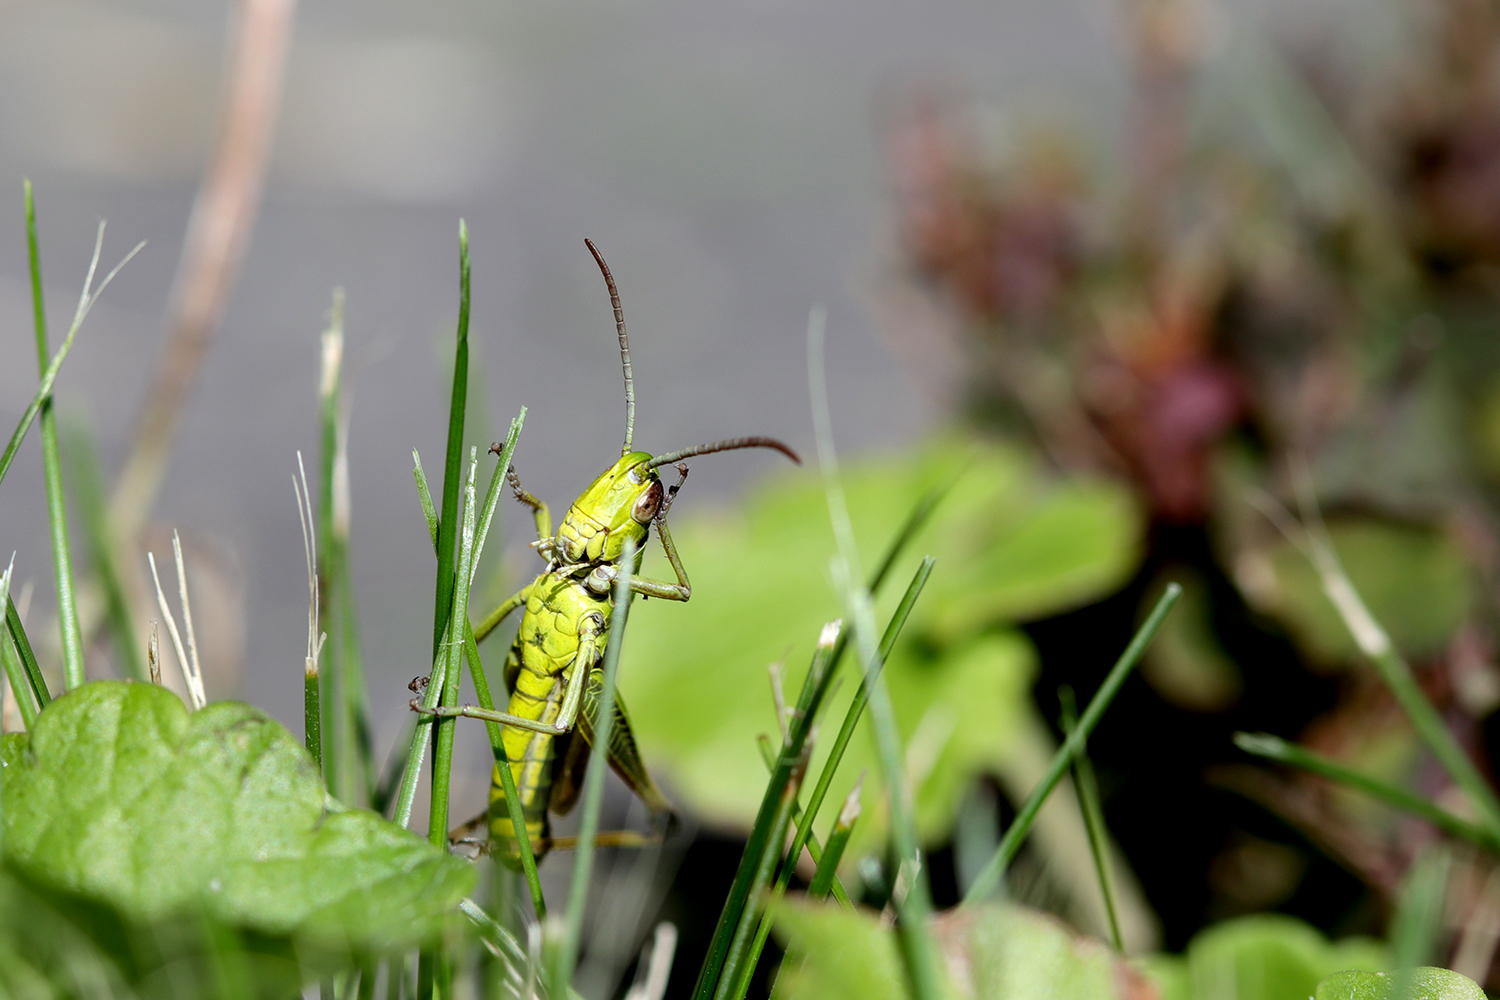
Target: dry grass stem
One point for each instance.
(217, 237)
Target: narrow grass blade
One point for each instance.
(803, 836)
(1277, 749)
(813, 846)
(989, 877)
(919, 953)
(1417, 927)
(492, 495)
(416, 753)
(425, 496)
(28, 658)
(44, 391)
(1396, 673)
(452, 467)
(166, 613)
(311, 687)
(442, 754)
(334, 717)
(740, 964)
(826, 875)
(565, 951)
(481, 680)
(57, 511)
(809, 704)
(20, 685)
(1087, 789)
(507, 780)
(91, 498)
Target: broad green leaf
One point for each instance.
(124, 798)
(1426, 984)
(1260, 957)
(1415, 580)
(991, 953)
(1012, 544)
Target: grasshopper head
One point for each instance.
(618, 505)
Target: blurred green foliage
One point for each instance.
(1013, 542)
(1413, 577)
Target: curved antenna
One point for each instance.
(729, 444)
(614, 300)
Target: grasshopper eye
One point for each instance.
(648, 504)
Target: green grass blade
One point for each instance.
(425, 496)
(809, 703)
(1417, 926)
(803, 836)
(813, 845)
(507, 780)
(416, 753)
(565, 950)
(312, 716)
(919, 953)
(91, 499)
(452, 467)
(28, 658)
(57, 511)
(44, 391)
(744, 953)
(1277, 749)
(1087, 790)
(989, 877)
(442, 754)
(492, 495)
(334, 719)
(826, 876)
(20, 685)
(1396, 673)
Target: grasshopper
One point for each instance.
(554, 669)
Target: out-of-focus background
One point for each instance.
(1150, 270)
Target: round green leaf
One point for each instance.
(1425, 984)
(123, 797)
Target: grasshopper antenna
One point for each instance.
(614, 300)
(728, 444)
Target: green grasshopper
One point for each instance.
(554, 669)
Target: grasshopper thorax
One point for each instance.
(620, 504)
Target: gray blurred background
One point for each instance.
(726, 157)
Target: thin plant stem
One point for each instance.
(218, 234)
(1395, 672)
(565, 951)
(16, 674)
(166, 613)
(919, 953)
(442, 755)
(335, 716)
(813, 846)
(1418, 921)
(804, 835)
(311, 688)
(44, 391)
(457, 401)
(826, 875)
(90, 496)
(809, 703)
(1277, 749)
(1086, 788)
(28, 657)
(740, 946)
(507, 780)
(57, 511)
(989, 877)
